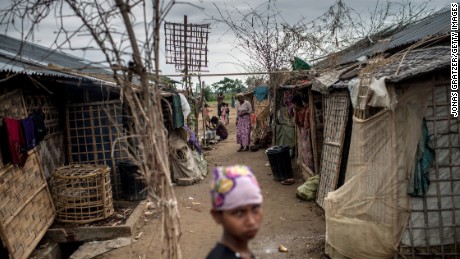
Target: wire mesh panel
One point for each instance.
(82, 193)
(93, 129)
(336, 107)
(433, 229)
(26, 207)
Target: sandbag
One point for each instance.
(307, 191)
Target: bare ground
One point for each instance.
(288, 221)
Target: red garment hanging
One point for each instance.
(16, 141)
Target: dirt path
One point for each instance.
(288, 221)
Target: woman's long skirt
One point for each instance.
(243, 130)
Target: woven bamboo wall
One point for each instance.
(51, 149)
(433, 228)
(26, 207)
(51, 111)
(336, 107)
(52, 153)
(92, 130)
(12, 106)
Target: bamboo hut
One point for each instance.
(400, 192)
(82, 121)
(47, 87)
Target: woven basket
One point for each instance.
(82, 193)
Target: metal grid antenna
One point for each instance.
(187, 45)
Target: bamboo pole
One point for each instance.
(187, 86)
(146, 111)
(313, 130)
(202, 107)
(274, 111)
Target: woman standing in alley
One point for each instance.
(223, 113)
(243, 123)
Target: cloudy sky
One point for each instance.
(220, 46)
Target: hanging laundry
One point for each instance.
(28, 127)
(178, 116)
(299, 115)
(424, 157)
(40, 128)
(287, 98)
(4, 147)
(306, 123)
(192, 140)
(16, 142)
(185, 106)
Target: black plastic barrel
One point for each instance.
(280, 162)
(133, 188)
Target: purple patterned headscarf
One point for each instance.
(234, 186)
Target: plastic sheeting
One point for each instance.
(366, 216)
(300, 64)
(201, 162)
(285, 135)
(185, 106)
(182, 162)
(261, 93)
(323, 82)
(379, 96)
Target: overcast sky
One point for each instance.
(220, 47)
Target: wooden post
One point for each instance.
(202, 106)
(313, 130)
(197, 108)
(187, 85)
(274, 113)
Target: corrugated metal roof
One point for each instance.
(435, 25)
(28, 68)
(24, 57)
(415, 63)
(411, 64)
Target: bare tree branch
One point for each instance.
(260, 35)
(341, 26)
(121, 30)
